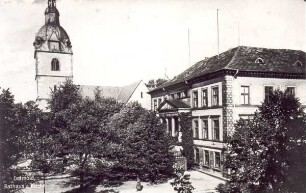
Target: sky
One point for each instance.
(118, 42)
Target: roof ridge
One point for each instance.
(119, 92)
(134, 90)
(234, 56)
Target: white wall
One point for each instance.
(43, 64)
(257, 93)
(145, 101)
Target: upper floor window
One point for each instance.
(205, 129)
(154, 105)
(184, 94)
(245, 95)
(215, 96)
(195, 98)
(55, 66)
(291, 90)
(216, 129)
(196, 129)
(268, 91)
(141, 94)
(204, 98)
(159, 101)
(217, 160)
(172, 96)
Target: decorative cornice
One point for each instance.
(231, 72)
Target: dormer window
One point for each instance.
(259, 61)
(298, 63)
(55, 66)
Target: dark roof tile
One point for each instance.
(243, 58)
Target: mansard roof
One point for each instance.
(245, 59)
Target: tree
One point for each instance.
(187, 138)
(79, 123)
(182, 182)
(8, 138)
(18, 124)
(151, 84)
(145, 145)
(155, 83)
(267, 154)
(160, 81)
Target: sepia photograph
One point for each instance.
(152, 96)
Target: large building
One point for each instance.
(53, 62)
(221, 89)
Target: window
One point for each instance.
(206, 157)
(246, 117)
(268, 91)
(141, 95)
(54, 46)
(217, 160)
(172, 96)
(186, 93)
(291, 90)
(259, 61)
(195, 98)
(196, 129)
(204, 98)
(298, 63)
(154, 105)
(197, 155)
(215, 96)
(159, 101)
(55, 65)
(245, 95)
(205, 129)
(216, 129)
(178, 95)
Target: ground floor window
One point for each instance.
(217, 160)
(206, 157)
(197, 155)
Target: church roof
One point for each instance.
(121, 94)
(106, 91)
(127, 91)
(246, 59)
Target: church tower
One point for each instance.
(53, 55)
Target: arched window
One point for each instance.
(259, 61)
(55, 65)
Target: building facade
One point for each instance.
(220, 90)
